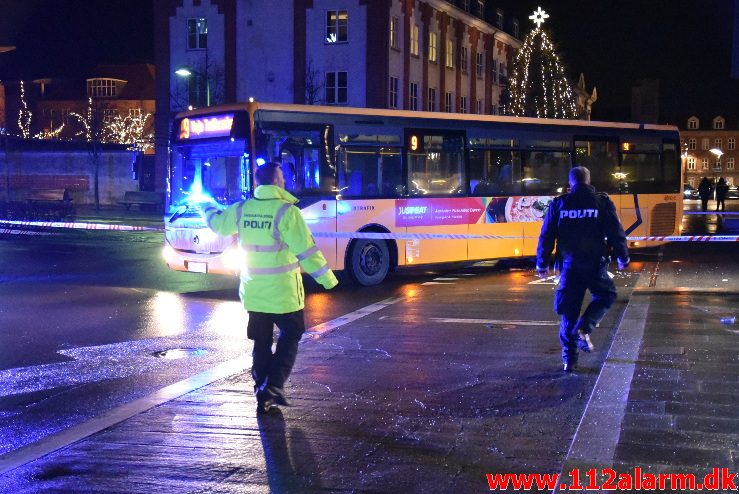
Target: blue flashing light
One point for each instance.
(260, 161)
(343, 207)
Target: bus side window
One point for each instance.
(601, 158)
(367, 171)
(438, 169)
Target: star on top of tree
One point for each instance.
(539, 17)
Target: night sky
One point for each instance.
(684, 43)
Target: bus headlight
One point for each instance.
(168, 253)
(234, 258)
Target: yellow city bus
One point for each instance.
(387, 188)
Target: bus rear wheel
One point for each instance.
(369, 261)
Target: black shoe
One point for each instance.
(265, 402)
(570, 366)
(583, 342)
(278, 396)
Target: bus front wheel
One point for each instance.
(369, 261)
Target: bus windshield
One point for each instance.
(208, 173)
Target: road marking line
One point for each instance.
(437, 283)
(66, 437)
(321, 330)
(452, 320)
(445, 279)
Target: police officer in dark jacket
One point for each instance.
(585, 227)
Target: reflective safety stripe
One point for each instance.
(264, 248)
(280, 213)
(307, 253)
(278, 270)
(320, 272)
(239, 210)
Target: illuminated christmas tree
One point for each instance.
(539, 87)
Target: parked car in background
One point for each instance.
(690, 192)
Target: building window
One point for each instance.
(449, 53)
(431, 103)
(449, 102)
(730, 163)
(480, 66)
(691, 163)
(479, 107)
(692, 143)
(394, 90)
(494, 71)
(717, 143)
(413, 89)
(463, 104)
(336, 24)
(705, 143)
(433, 47)
(494, 110)
(499, 18)
(103, 88)
(718, 123)
(515, 28)
(109, 114)
(693, 123)
(197, 34)
(414, 40)
(481, 8)
(465, 5)
(704, 162)
(336, 88)
(394, 24)
(66, 114)
(503, 73)
(731, 143)
(463, 58)
(134, 112)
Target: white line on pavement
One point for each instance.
(493, 321)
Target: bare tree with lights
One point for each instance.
(539, 87)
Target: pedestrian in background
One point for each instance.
(721, 189)
(705, 188)
(584, 225)
(277, 243)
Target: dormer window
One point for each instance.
(104, 87)
(718, 123)
(693, 123)
(515, 28)
(499, 18)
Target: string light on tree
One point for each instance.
(25, 116)
(539, 87)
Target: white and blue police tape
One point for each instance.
(371, 235)
(460, 236)
(81, 225)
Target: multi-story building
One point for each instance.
(710, 149)
(431, 55)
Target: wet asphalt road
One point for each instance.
(82, 314)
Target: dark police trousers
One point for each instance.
(273, 369)
(575, 279)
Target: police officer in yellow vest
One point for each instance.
(277, 243)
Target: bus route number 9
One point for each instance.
(415, 143)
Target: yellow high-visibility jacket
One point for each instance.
(277, 243)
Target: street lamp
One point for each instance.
(188, 72)
(718, 153)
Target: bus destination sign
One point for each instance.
(204, 127)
